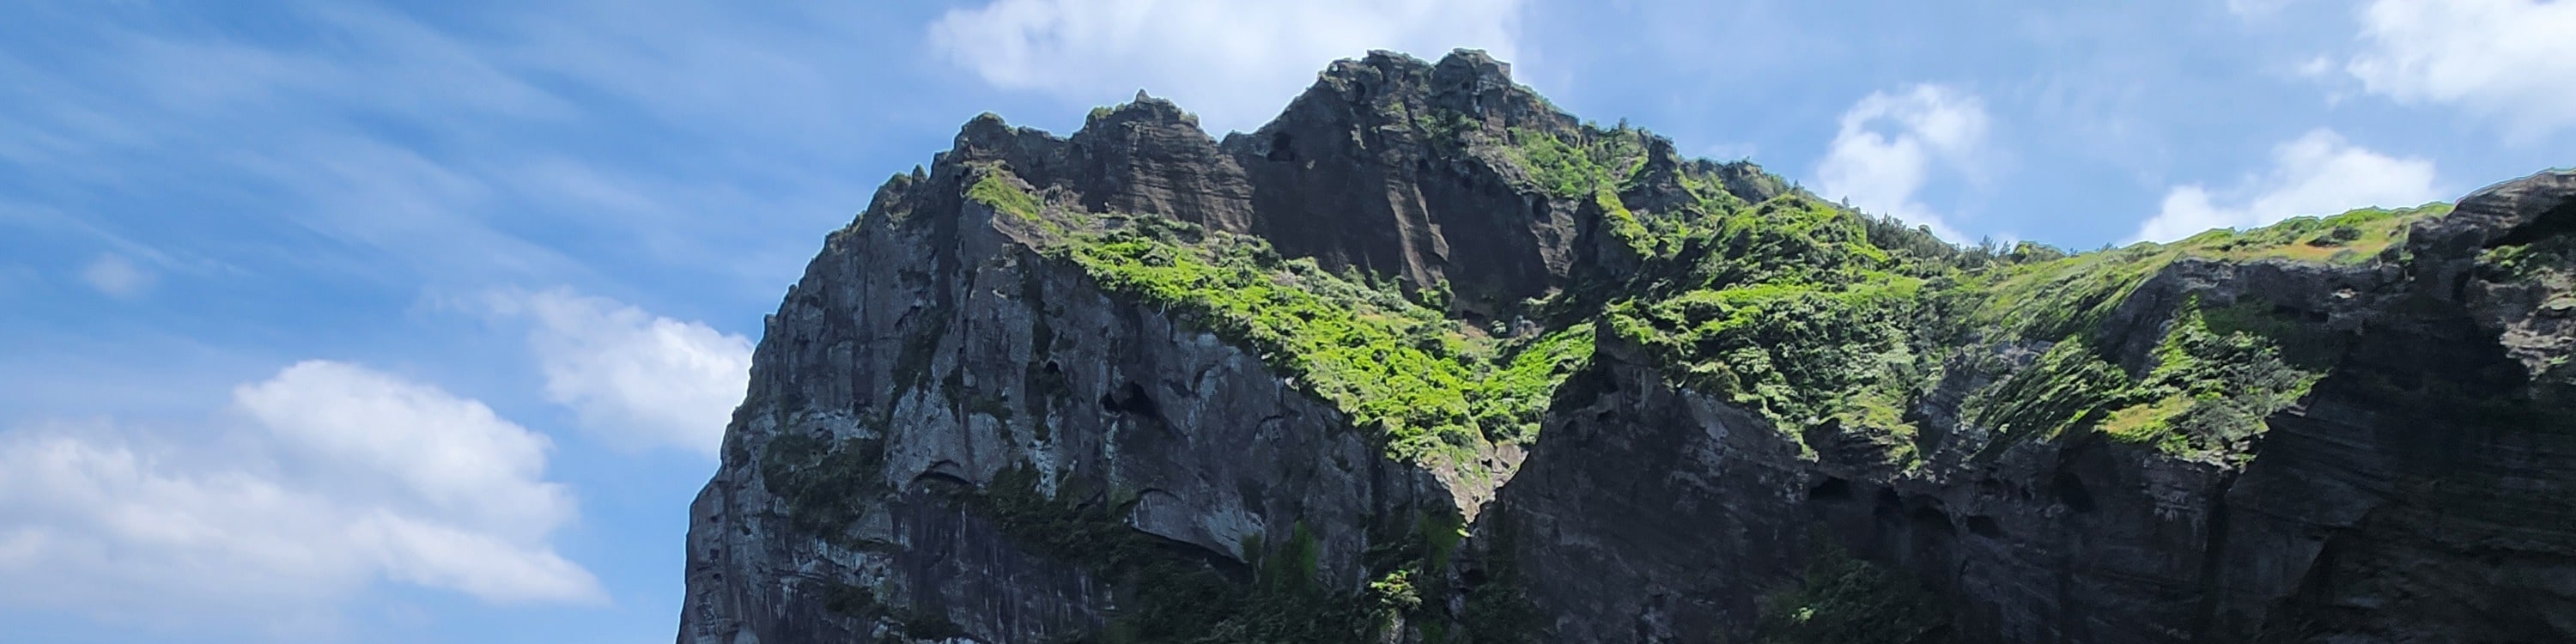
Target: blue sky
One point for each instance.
(341, 322)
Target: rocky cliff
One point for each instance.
(1428, 360)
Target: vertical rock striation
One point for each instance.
(961, 427)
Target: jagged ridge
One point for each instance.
(1058, 336)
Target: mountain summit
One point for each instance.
(1426, 359)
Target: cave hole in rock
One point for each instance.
(943, 475)
(2558, 221)
(1929, 519)
(2287, 311)
(1984, 526)
(2071, 492)
(1129, 399)
(1279, 150)
(1888, 506)
(1834, 489)
(1052, 369)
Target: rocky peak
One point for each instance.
(1136, 384)
(2512, 212)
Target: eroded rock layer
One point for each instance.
(1427, 360)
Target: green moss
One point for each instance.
(1578, 169)
(1509, 401)
(1786, 308)
(996, 188)
(2067, 387)
(1624, 223)
(2062, 298)
(2069, 296)
(2233, 377)
(2211, 388)
(2146, 423)
(1796, 352)
(1405, 370)
(2556, 254)
(2349, 238)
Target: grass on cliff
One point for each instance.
(1593, 167)
(1428, 384)
(2218, 373)
(1787, 309)
(1810, 314)
(2065, 297)
(2548, 263)
(1818, 317)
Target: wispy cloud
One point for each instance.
(1882, 172)
(113, 275)
(635, 379)
(414, 151)
(2318, 173)
(335, 476)
(2257, 8)
(2504, 59)
(1234, 62)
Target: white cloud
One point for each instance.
(114, 275)
(449, 454)
(342, 476)
(2505, 59)
(1235, 62)
(2318, 173)
(634, 378)
(1881, 172)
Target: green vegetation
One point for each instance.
(995, 187)
(1820, 318)
(1811, 314)
(1497, 611)
(1578, 169)
(1169, 594)
(1787, 309)
(2068, 296)
(821, 480)
(2349, 238)
(1401, 368)
(1594, 167)
(2552, 258)
(1509, 400)
(1848, 601)
(2550, 264)
(2218, 373)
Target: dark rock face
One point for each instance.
(940, 352)
(2421, 494)
(1352, 175)
(934, 362)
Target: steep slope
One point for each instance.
(1426, 359)
(2217, 441)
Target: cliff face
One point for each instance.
(1427, 360)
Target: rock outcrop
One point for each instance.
(962, 426)
(2423, 492)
